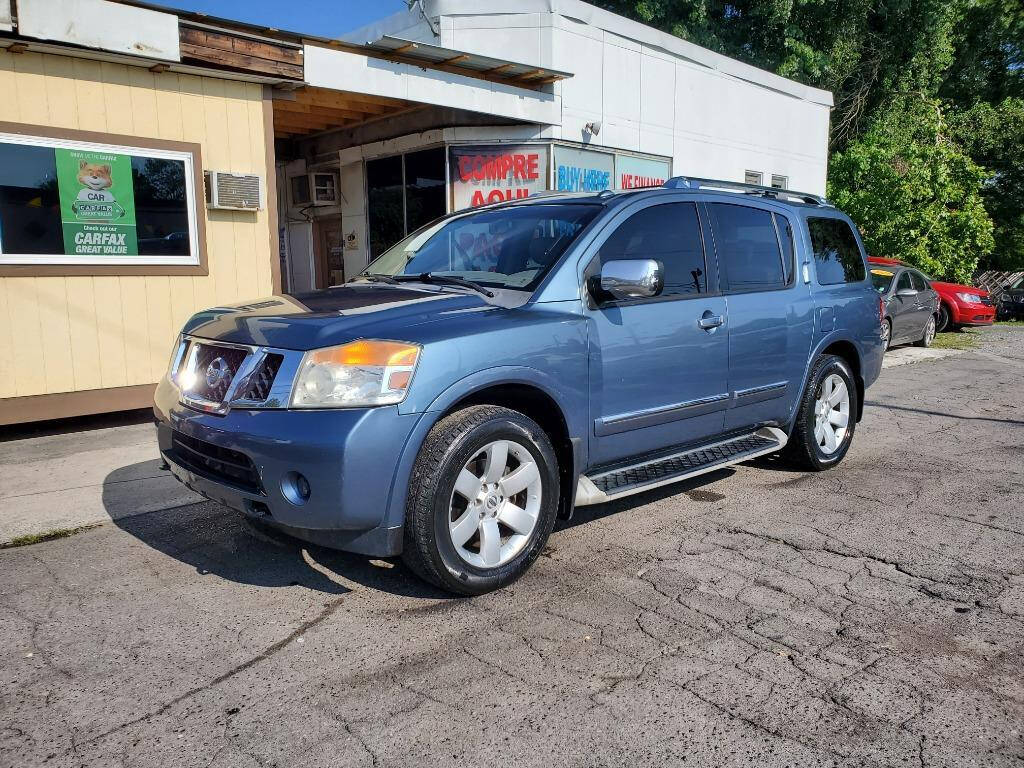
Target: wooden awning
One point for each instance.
(312, 110)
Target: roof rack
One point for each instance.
(689, 182)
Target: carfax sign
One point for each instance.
(97, 203)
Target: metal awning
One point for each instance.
(425, 54)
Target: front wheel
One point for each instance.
(827, 418)
(482, 501)
(944, 320)
(929, 333)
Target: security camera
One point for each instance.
(593, 128)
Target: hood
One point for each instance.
(942, 287)
(333, 316)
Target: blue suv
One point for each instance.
(503, 365)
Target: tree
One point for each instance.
(914, 192)
(993, 135)
(864, 51)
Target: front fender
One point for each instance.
(563, 393)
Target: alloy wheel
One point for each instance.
(495, 504)
(886, 336)
(831, 414)
(929, 332)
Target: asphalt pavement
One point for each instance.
(872, 615)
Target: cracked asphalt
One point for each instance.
(868, 616)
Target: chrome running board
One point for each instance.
(654, 473)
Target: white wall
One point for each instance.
(652, 92)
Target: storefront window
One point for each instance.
(384, 198)
(580, 170)
(79, 203)
(424, 187)
(639, 172)
(483, 175)
(404, 192)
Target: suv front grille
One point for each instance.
(215, 462)
(258, 388)
(215, 369)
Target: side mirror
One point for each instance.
(632, 279)
(906, 293)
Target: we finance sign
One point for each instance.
(483, 175)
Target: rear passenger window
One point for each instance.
(836, 252)
(668, 233)
(748, 248)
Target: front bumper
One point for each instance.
(349, 458)
(975, 314)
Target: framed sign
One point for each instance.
(637, 172)
(582, 170)
(85, 203)
(492, 174)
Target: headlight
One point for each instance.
(969, 298)
(362, 373)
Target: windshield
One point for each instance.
(881, 279)
(504, 247)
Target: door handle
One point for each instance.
(709, 321)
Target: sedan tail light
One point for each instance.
(881, 310)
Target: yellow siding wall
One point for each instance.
(66, 334)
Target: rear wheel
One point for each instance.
(886, 335)
(929, 333)
(483, 499)
(827, 418)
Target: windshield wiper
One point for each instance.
(377, 279)
(430, 277)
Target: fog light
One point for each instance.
(295, 488)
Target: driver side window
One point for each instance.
(669, 233)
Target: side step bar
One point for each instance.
(625, 481)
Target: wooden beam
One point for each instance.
(344, 104)
(456, 59)
(326, 97)
(407, 47)
(529, 75)
(294, 108)
(301, 124)
(225, 41)
(232, 60)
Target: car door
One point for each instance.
(904, 310)
(771, 315)
(927, 298)
(657, 377)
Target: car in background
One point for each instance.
(911, 312)
(1011, 302)
(959, 305)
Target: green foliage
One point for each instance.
(915, 194)
(988, 66)
(913, 187)
(993, 134)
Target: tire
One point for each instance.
(929, 334)
(467, 441)
(944, 322)
(886, 335)
(804, 449)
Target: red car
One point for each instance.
(958, 304)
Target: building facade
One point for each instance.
(155, 163)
